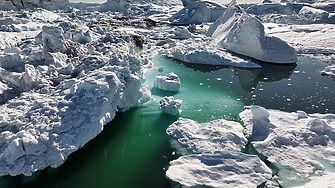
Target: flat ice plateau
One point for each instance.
(66, 69)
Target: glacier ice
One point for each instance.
(170, 105)
(169, 82)
(244, 34)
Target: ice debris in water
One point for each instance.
(170, 105)
(169, 82)
(242, 33)
(301, 146)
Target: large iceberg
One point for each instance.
(301, 146)
(244, 34)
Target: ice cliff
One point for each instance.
(244, 34)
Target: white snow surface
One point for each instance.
(219, 169)
(302, 146)
(311, 38)
(217, 135)
(244, 34)
(169, 82)
(170, 105)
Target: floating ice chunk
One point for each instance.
(170, 105)
(242, 33)
(198, 11)
(300, 146)
(217, 135)
(329, 71)
(219, 169)
(169, 82)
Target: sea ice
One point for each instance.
(217, 135)
(242, 33)
(301, 146)
(219, 169)
(170, 105)
(169, 82)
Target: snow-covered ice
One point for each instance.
(219, 169)
(220, 164)
(169, 82)
(198, 11)
(300, 145)
(244, 34)
(170, 105)
(217, 135)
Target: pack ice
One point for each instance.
(244, 34)
(220, 164)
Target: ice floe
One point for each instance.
(301, 146)
(219, 169)
(217, 135)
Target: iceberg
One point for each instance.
(169, 82)
(219, 169)
(170, 105)
(244, 34)
(299, 144)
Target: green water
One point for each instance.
(134, 150)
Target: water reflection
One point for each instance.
(249, 77)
